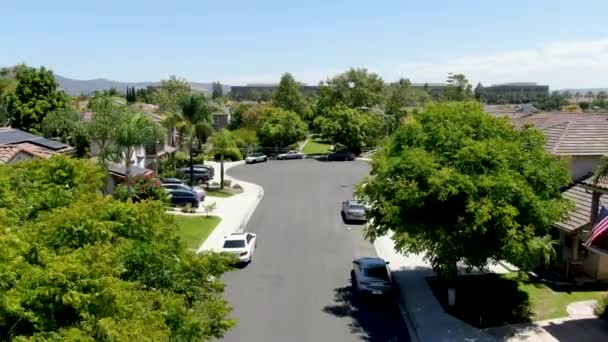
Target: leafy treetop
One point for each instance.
(459, 185)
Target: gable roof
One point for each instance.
(579, 218)
(578, 138)
(8, 152)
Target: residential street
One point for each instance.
(298, 286)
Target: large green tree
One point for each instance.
(170, 93)
(461, 186)
(79, 266)
(288, 96)
(217, 90)
(279, 128)
(356, 88)
(399, 97)
(35, 96)
(458, 88)
(351, 128)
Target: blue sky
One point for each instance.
(562, 43)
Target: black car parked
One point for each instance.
(171, 181)
(341, 155)
(205, 166)
(182, 197)
(200, 174)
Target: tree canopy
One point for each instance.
(35, 95)
(77, 265)
(460, 186)
(217, 90)
(280, 128)
(356, 88)
(458, 88)
(289, 97)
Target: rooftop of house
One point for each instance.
(578, 138)
(13, 136)
(119, 170)
(8, 152)
(579, 218)
(544, 120)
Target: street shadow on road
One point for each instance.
(374, 319)
(584, 329)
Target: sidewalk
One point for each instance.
(234, 211)
(426, 319)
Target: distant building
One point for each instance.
(263, 92)
(522, 92)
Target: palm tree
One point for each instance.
(590, 96)
(222, 141)
(135, 130)
(172, 121)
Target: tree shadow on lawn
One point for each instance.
(583, 329)
(375, 319)
(484, 301)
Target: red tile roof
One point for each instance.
(8, 152)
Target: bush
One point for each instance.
(584, 105)
(237, 186)
(181, 159)
(209, 208)
(141, 189)
(227, 182)
(602, 307)
(232, 154)
(200, 158)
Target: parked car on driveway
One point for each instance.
(205, 166)
(182, 197)
(371, 276)
(172, 186)
(257, 157)
(290, 155)
(242, 245)
(341, 155)
(200, 174)
(353, 211)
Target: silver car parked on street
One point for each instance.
(353, 211)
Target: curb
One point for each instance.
(411, 327)
(253, 207)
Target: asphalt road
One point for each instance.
(298, 286)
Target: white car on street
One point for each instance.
(290, 155)
(257, 157)
(242, 245)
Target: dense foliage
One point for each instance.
(351, 128)
(280, 128)
(79, 266)
(461, 186)
(289, 97)
(35, 95)
(356, 88)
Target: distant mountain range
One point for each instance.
(87, 87)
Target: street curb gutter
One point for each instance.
(253, 207)
(411, 328)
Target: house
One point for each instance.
(117, 175)
(582, 140)
(17, 145)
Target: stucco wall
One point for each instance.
(582, 166)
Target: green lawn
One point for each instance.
(316, 146)
(493, 300)
(221, 193)
(194, 230)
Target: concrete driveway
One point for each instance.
(298, 286)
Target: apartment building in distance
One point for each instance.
(518, 92)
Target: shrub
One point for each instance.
(200, 158)
(209, 208)
(141, 189)
(227, 182)
(233, 154)
(181, 159)
(237, 186)
(602, 307)
(583, 105)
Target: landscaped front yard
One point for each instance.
(316, 146)
(194, 230)
(226, 192)
(492, 300)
